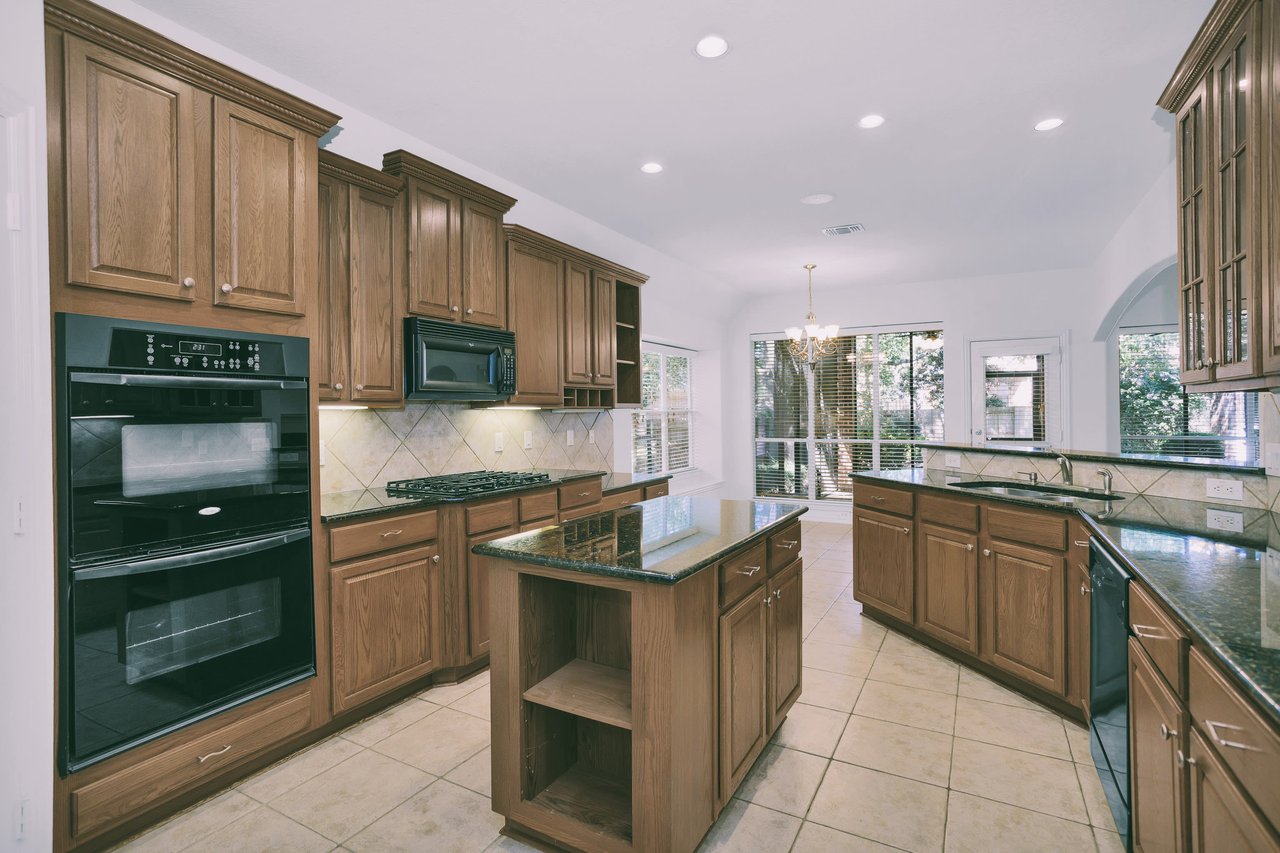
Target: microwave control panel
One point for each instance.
(183, 353)
(506, 371)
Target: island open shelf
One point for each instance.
(592, 690)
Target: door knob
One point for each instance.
(227, 287)
(188, 282)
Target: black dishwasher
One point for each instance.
(1109, 681)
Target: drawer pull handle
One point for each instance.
(969, 547)
(205, 758)
(1148, 632)
(1083, 543)
(788, 545)
(391, 533)
(584, 494)
(1084, 589)
(1214, 725)
(877, 498)
(753, 569)
(1166, 732)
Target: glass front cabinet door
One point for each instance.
(1194, 293)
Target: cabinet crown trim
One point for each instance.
(1195, 62)
(402, 164)
(352, 172)
(529, 237)
(135, 41)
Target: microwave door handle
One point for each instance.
(145, 380)
(187, 559)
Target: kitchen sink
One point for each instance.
(1045, 494)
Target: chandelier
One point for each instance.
(812, 342)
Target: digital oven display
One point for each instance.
(198, 348)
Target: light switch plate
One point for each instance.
(951, 460)
(1272, 456)
(498, 440)
(1223, 519)
(591, 436)
(569, 437)
(528, 439)
(324, 455)
(1226, 490)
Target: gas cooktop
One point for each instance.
(461, 485)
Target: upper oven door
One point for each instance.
(153, 461)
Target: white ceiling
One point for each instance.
(569, 97)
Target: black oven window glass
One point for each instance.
(156, 649)
(172, 467)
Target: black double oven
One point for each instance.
(184, 525)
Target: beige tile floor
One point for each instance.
(892, 747)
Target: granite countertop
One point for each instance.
(360, 503)
(620, 481)
(1224, 585)
(662, 540)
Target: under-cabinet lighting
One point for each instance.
(337, 407)
(515, 408)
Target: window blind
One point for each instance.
(662, 431)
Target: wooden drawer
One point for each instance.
(382, 534)
(784, 546)
(1245, 741)
(949, 512)
(885, 500)
(1031, 527)
(657, 490)
(580, 512)
(742, 573)
(580, 493)
(121, 795)
(1159, 635)
(490, 515)
(621, 499)
(538, 506)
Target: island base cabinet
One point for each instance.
(744, 703)
(1023, 614)
(786, 641)
(884, 563)
(1222, 818)
(947, 595)
(1157, 729)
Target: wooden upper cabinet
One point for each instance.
(1194, 290)
(604, 333)
(333, 289)
(534, 297)
(1023, 613)
(484, 299)
(137, 201)
(579, 325)
(884, 563)
(262, 243)
(454, 242)
(947, 590)
(1157, 738)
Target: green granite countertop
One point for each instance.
(1224, 585)
(662, 540)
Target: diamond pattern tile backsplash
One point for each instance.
(366, 448)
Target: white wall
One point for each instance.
(27, 597)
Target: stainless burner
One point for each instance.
(471, 483)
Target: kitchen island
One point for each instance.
(641, 659)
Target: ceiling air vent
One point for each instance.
(841, 230)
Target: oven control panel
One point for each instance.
(138, 348)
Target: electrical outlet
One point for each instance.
(951, 460)
(1222, 519)
(19, 522)
(324, 454)
(1226, 490)
(1272, 456)
(528, 439)
(497, 442)
(20, 819)
(568, 437)
(591, 436)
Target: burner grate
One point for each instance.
(471, 483)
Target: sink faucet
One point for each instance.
(1106, 480)
(1064, 465)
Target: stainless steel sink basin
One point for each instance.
(1044, 494)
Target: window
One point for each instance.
(1158, 417)
(1017, 387)
(662, 431)
(864, 407)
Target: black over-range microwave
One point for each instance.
(454, 361)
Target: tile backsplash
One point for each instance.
(367, 447)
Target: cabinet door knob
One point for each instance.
(337, 386)
(1199, 365)
(469, 310)
(1185, 759)
(1213, 362)
(986, 552)
(359, 387)
(188, 282)
(453, 308)
(227, 287)
(969, 547)
(436, 558)
(1084, 589)
(1166, 732)
(906, 530)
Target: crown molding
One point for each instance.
(529, 237)
(358, 174)
(1222, 19)
(135, 41)
(402, 164)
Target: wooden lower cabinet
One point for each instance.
(385, 624)
(947, 588)
(884, 562)
(1079, 617)
(744, 699)
(786, 640)
(1024, 622)
(478, 594)
(1157, 738)
(1223, 820)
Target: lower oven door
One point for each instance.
(155, 644)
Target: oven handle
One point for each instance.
(149, 380)
(191, 558)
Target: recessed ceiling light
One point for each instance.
(711, 47)
(1049, 124)
(870, 121)
(818, 198)
(651, 168)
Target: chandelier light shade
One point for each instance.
(811, 341)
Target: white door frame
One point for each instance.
(1057, 383)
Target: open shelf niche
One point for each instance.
(627, 322)
(576, 691)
